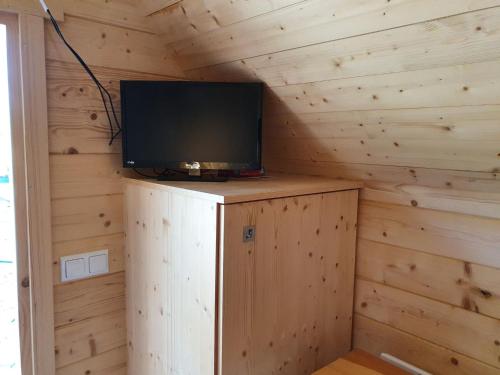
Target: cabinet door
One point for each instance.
(286, 296)
(171, 268)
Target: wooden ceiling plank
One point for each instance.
(461, 39)
(196, 17)
(311, 22)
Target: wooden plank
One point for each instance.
(462, 39)
(69, 87)
(114, 244)
(77, 121)
(85, 175)
(379, 338)
(171, 278)
(84, 217)
(149, 7)
(454, 182)
(89, 338)
(439, 152)
(123, 13)
(345, 366)
(80, 130)
(87, 299)
(303, 244)
(31, 30)
(478, 203)
(311, 22)
(113, 362)
(31, 7)
(189, 18)
(19, 184)
(442, 137)
(110, 46)
(469, 238)
(469, 123)
(467, 285)
(366, 359)
(464, 85)
(252, 189)
(431, 320)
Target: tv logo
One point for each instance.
(130, 162)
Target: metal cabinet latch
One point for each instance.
(249, 233)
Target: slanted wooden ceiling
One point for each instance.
(329, 62)
(404, 94)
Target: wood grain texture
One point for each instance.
(467, 285)
(311, 22)
(377, 338)
(24, 300)
(480, 203)
(434, 321)
(189, 18)
(93, 297)
(402, 95)
(89, 338)
(445, 138)
(79, 130)
(123, 13)
(119, 43)
(461, 85)
(469, 238)
(359, 362)
(456, 40)
(113, 362)
(85, 175)
(150, 7)
(35, 143)
(69, 87)
(452, 183)
(451, 191)
(30, 7)
(367, 360)
(110, 46)
(474, 123)
(85, 217)
(252, 189)
(286, 298)
(171, 278)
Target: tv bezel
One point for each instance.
(187, 164)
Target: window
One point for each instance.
(10, 361)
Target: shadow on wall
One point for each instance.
(287, 139)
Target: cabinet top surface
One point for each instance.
(252, 189)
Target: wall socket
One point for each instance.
(82, 266)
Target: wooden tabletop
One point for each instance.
(252, 189)
(359, 362)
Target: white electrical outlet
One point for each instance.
(82, 266)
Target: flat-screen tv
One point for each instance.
(186, 125)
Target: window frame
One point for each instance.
(29, 129)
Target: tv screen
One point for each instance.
(176, 124)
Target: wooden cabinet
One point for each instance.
(246, 277)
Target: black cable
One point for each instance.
(102, 90)
(145, 175)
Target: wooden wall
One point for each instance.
(404, 94)
(85, 172)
